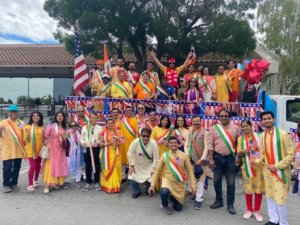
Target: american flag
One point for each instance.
(81, 77)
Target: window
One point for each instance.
(293, 110)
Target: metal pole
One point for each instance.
(28, 89)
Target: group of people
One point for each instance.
(155, 155)
(185, 82)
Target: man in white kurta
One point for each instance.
(142, 157)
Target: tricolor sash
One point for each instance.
(175, 169)
(129, 128)
(99, 75)
(17, 139)
(105, 154)
(150, 125)
(165, 135)
(143, 147)
(207, 86)
(122, 88)
(249, 171)
(227, 138)
(194, 143)
(33, 140)
(178, 134)
(226, 80)
(89, 129)
(161, 90)
(145, 87)
(130, 77)
(104, 89)
(275, 155)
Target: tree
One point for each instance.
(279, 24)
(174, 23)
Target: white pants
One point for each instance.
(277, 213)
(200, 190)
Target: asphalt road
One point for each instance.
(72, 206)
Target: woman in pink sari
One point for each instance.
(55, 168)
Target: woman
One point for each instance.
(209, 85)
(223, 85)
(111, 175)
(193, 94)
(182, 88)
(252, 177)
(161, 133)
(140, 117)
(191, 74)
(34, 140)
(74, 159)
(55, 168)
(181, 131)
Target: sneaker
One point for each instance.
(30, 188)
(46, 191)
(136, 195)
(87, 187)
(7, 189)
(216, 205)
(35, 184)
(15, 188)
(167, 210)
(247, 215)
(258, 217)
(97, 187)
(197, 205)
(77, 184)
(231, 209)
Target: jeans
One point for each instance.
(11, 169)
(135, 187)
(88, 165)
(164, 196)
(224, 165)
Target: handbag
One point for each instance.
(45, 153)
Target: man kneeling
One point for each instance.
(177, 165)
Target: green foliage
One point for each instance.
(23, 100)
(211, 25)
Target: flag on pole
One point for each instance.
(81, 77)
(106, 60)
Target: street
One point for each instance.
(72, 206)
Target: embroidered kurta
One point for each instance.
(222, 92)
(39, 141)
(142, 165)
(118, 93)
(10, 149)
(74, 159)
(176, 188)
(274, 187)
(209, 88)
(142, 93)
(256, 183)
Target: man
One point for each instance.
(176, 166)
(115, 114)
(196, 148)
(81, 118)
(114, 71)
(121, 88)
(132, 76)
(144, 89)
(151, 121)
(165, 92)
(142, 156)
(103, 90)
(233, 75)
(90, 139)
(129, 130)
(11, 135)
(172, 72)
(223, 85)
(154, 78)
(277, 154)
(222, 140)
(97, 77)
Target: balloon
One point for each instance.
(254, 72)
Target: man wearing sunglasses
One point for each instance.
(222, 140)
(142, 156)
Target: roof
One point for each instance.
(56, 55)
(37, 55)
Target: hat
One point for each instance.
(100, 62)
(105, 76)
(13, 108)
(171, 60)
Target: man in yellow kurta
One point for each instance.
(116, 69)
(277, 154)
(223, 86)
(103, 90)
(176, 166)
(11, 135)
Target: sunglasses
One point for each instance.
(145, 136)
(73, 125)
(140, 108)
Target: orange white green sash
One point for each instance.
(175, 169)
(17, 139)
(145, 87)
(143, 147)
(33, 141)
(150, 125)
(193, 143)
(89, 130)
(164, 136)
(99, 75)
(162, 91)
(105, 153)
(122, 88)
(275, 154)
(128, 127)
(208, 87)
(226, 80)
(227, 138)
(104, 89)
(249, 171)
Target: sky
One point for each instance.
(25, 22)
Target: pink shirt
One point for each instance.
(215, 142)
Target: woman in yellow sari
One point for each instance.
(161, 133)
(111, 174)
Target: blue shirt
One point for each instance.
(169, 89)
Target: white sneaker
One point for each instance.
(46, 191)
(247, 215)
(258, 217)
(30, 188)
(35, 184)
